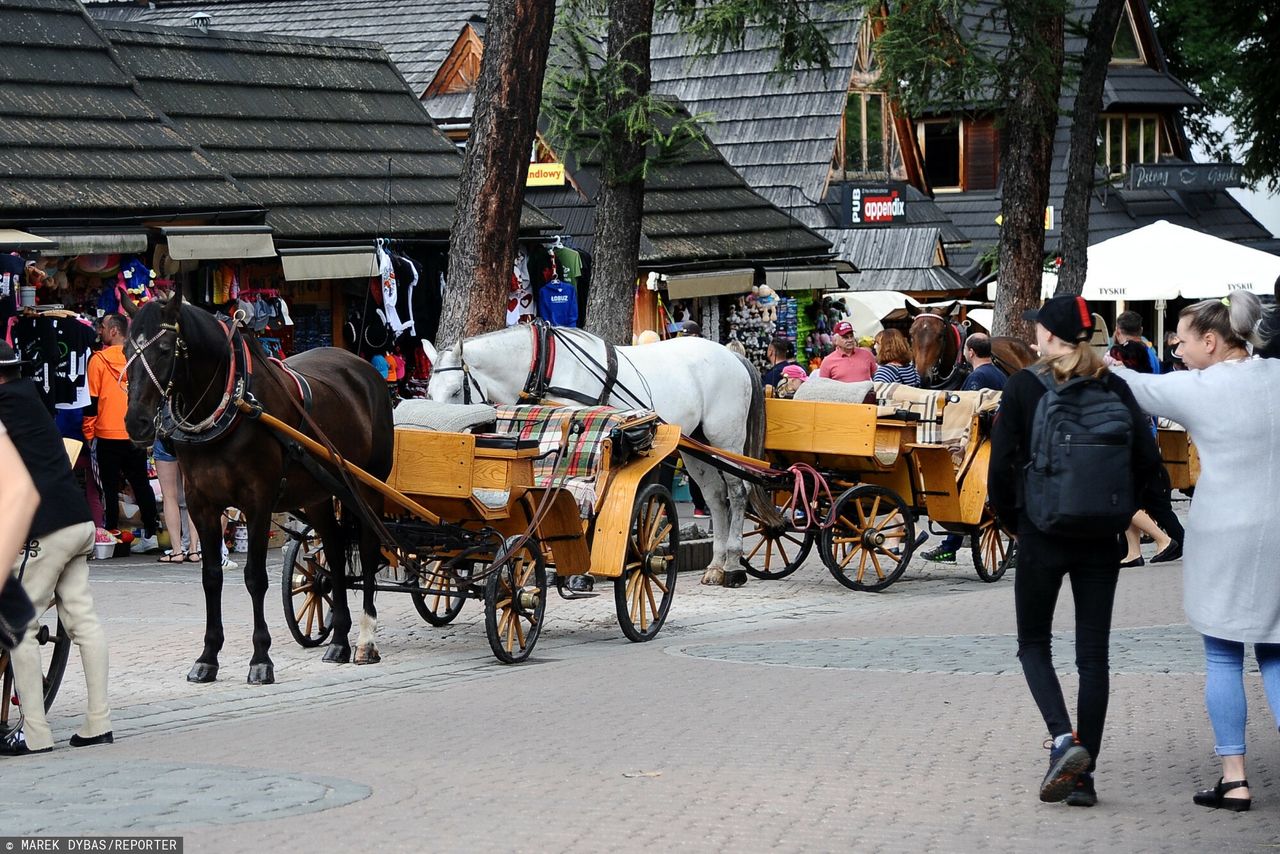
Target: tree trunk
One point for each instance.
(620, 206)
(1026, 161)
(491, 193)
(1083, 153)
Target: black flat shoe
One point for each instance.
(80, 741)
(1213, 798)
(1137, 561)
(1173, 551)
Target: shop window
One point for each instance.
(940, 144)
(862, 146)
(1130, 138)
(1127, 47)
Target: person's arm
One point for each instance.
(1146, 453)
(95, 387)
(824, 370)
(1006, 442)
(1165, 395)
(18, 503)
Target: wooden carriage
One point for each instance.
(883, 479)
(1180, 457)
(486, 515)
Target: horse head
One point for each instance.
(151, 353)
(931, 338)
(448, 376)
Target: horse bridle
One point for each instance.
(467, 379)
(947, 326)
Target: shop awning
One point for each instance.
(329, 262)
(219, 242)
(11, 239)
(96, 242)
(801, 278)
(715, 284)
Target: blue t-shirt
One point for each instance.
(558, 303)
(985, 376)
(381, 365)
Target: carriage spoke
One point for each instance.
(653, 606)
(756, 550)
(658, 582)
(876, 562)
(849, 556)
(519, 630)
(862, 565)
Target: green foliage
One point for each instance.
(800, 27)
(1227, 52)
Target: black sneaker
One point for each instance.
(15, 744)
(1083, 795)
(940, 555)
(1066, 764)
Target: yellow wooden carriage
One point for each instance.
(487, 515)
(883, 479)
(1180, 457)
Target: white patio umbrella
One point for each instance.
(867, 309)
(1048, 284)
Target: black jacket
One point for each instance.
(1010, 453)
(31, 427)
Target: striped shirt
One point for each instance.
(905, 374)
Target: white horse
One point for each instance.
(692, 382)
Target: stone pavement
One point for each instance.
(792, 715)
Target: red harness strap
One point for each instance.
(292, 374)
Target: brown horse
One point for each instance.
(188, 372)
(937, 344)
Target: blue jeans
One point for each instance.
(1224, 689)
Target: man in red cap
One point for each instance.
(848, 363)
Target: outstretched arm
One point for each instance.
(1166, 395)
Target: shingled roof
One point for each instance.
(324, 133)
(77, 142)
(909, 260)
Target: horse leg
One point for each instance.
(735, 509)
(208, 524)
(712, 486)
(370, 558)
(335, 552)
(261, 670)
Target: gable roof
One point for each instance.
(416, 34)
(909, 260)
(77, 142)
(315, 129)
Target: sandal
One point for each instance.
(195, 557)
(1214, 798)
(170, 556)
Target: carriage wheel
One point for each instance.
(868, 523)
(643, 593)
(771, 551)
(994, 550)
(444, 603)
(515, 599)
(55, 665)
(307, 591)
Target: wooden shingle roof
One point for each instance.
(77, 142)
(324, 133)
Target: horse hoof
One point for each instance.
(713, 577)
(201, 672)
(736, 578)
(367, 655)
(337, 654)
(262, 674)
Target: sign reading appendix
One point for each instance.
(545, 175)
(883, 203)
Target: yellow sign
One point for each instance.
(1048, 218)
(545, 175)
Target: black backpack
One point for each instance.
(1079, 480)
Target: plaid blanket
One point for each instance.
(581, 463)
(927, 404)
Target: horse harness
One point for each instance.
(959, 370)
(537, 385)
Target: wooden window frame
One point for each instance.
(1128, 18)
(842, 143)
(924, 151)
(1164, 142)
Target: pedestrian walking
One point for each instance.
(1067, 501)
(54, 568)
(104, 428)
(893, 353)
(175, 511)
(1228, 400)
(848, 362)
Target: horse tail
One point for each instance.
(761, 502)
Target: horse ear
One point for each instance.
(457, 351)
(126, 302)
(430, 349)
(912, 310)
(951, 309)
(172, 307)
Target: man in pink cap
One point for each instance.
(848, 363)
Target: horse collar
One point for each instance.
(226, 414)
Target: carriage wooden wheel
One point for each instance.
(994, 550)
(54, 657)
(442, 604)
(870, 540)
(643, 592)
(515, 600)
(775, 549)
(307, 591)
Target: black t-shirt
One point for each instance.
(773, 376)
(36, 437)
(1271, 333)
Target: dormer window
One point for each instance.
(1129, 138)
(1127, 47)
(862, 148)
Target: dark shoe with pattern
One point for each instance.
(81, 741)
(14, 744)
(940, 555)
(1216, 799)
(1066, 764)
(1083, 795)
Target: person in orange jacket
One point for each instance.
(104, 429)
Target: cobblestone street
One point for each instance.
(792, 715)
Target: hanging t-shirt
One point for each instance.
(520, 305)
(406, 283)
(570, 264)
(71, 377)
(390, 291)
(12, 277)
(558, 303)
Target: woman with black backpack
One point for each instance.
(1069, 458)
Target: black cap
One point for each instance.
(10, 359)
(1067, 317)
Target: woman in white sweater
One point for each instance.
(1230, 403)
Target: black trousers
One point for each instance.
(1035, 593)
(1159, 506)
(117, 458)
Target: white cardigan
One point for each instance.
(1231, 559)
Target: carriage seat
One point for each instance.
(927, 405)
(824, 390)
(596, 427)
(419, 414)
